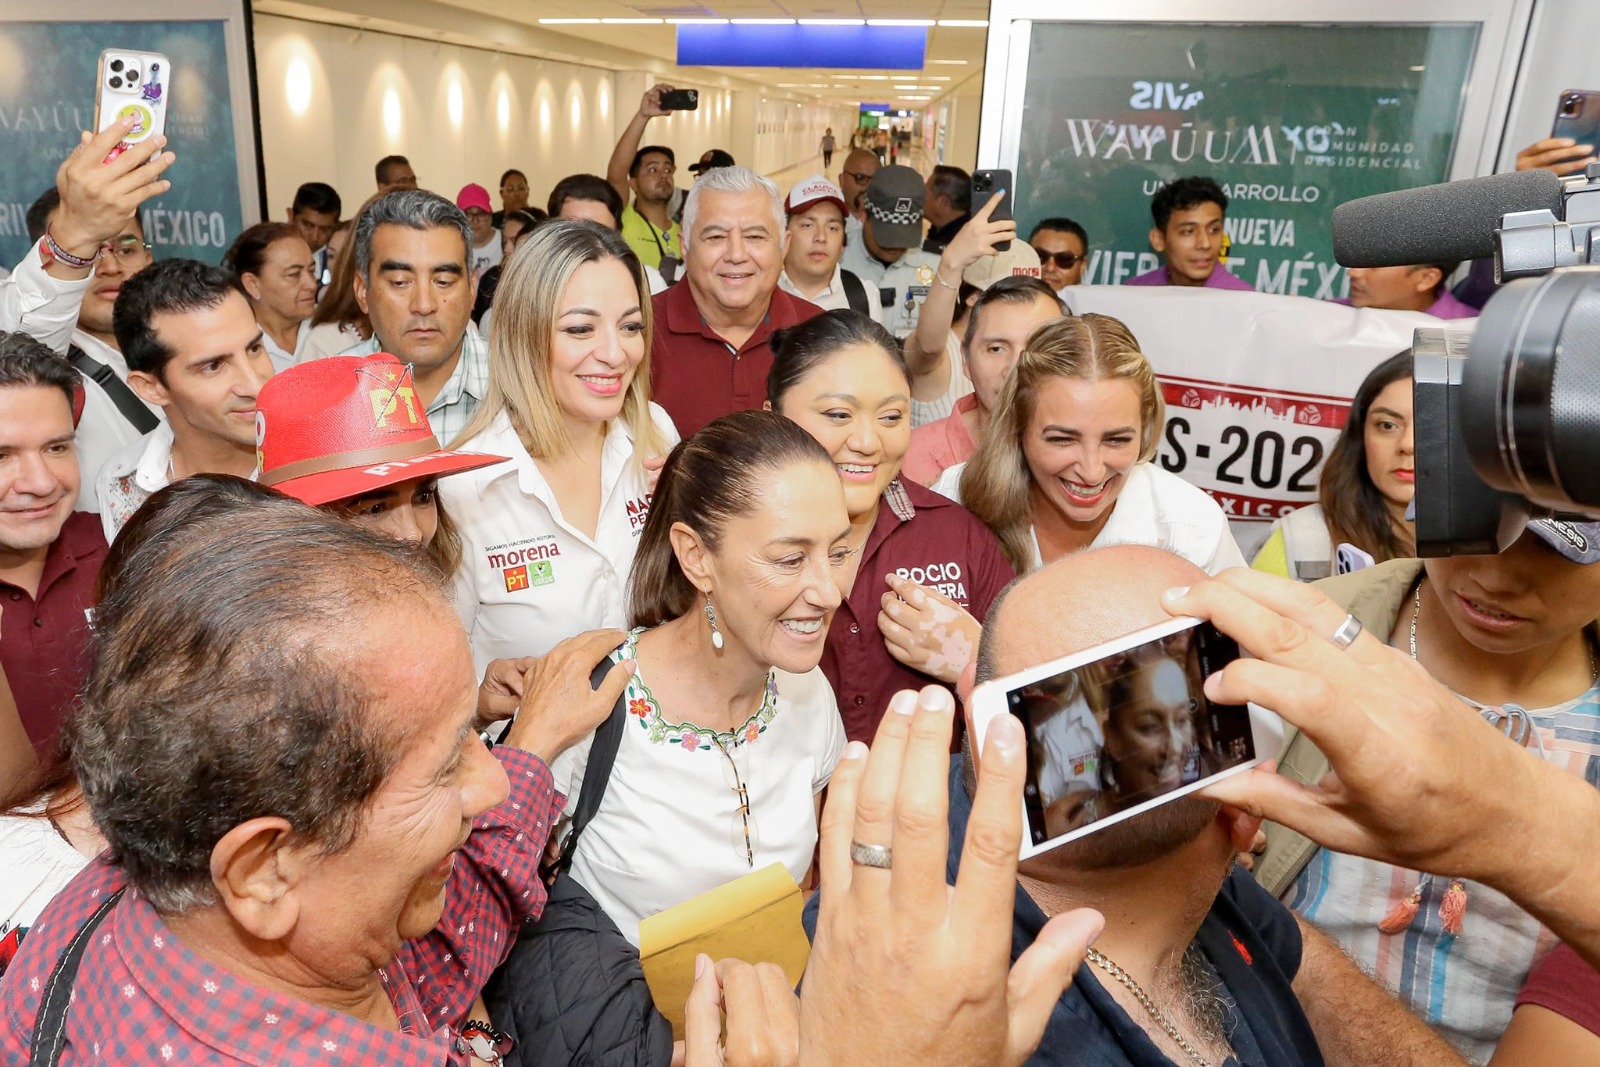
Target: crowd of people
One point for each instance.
(421, 589)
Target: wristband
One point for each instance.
(52, 250)
(483, 1041)
(938, 277)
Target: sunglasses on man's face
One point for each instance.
(856, 176)
(1063, 260)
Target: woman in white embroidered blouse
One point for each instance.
(732, 731)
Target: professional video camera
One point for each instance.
(1507, 415)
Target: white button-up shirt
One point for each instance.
(38, 305)
(528, 578)
(1154, 507)
(833, 296)
(281, 360)
(132, 476)
(104, 430)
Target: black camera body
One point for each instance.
(1507, 413)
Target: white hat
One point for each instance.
(811, 192)
(1020, 258)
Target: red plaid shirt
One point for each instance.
(142, 997)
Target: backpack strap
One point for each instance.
(597, 773)
(50, 1032)
(131, 406)
(855, 292)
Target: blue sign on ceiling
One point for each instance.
(847, 47)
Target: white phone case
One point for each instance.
(137, 83)
(989, 702)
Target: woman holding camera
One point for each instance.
(1066, 461)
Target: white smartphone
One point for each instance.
(1120, 728)
(137, 83)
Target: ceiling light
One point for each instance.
(936, 77)
(900, 22)
(947, 63)
(967, 24)
(1419, 68)
(762, 22)
(909, 88)
(569, 22)
(916, 98)
(697, 22)
(631, 22)
(833, 22)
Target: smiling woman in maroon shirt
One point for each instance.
(924, 570)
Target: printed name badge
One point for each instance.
(1258, 451)
(523, 565)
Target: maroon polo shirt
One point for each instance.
(696, 375)
(933, 541)
(44, 640)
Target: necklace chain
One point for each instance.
(1126, 980)
(1416, 613)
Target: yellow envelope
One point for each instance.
(755, 918)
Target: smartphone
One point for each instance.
(1124, 727)
(137, 83)
(681, 100)
(985, 183)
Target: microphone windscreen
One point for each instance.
(1437, 223)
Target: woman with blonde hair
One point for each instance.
(548, 539)
(1066, 461)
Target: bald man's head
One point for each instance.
(1081, 600)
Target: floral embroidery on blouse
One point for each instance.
(643, 707)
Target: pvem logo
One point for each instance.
(1164, 96)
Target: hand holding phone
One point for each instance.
(1124, 727)
(680, 100)
(132, 85)
(985, 183)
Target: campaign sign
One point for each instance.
(1113, 111)
(1257, 386)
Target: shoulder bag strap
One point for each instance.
(131, 406)
(854, 291)
(597, 773)
(50, 1032)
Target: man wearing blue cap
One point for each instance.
(1514, 636)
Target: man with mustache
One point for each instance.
(414, 283)
(194, 350)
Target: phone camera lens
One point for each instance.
(154, 67)
(116, 64)
(116, 83)
(133, 76)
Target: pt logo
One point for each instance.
(528, 575)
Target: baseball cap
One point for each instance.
(347, 425)
(713, 159)
(894, 201)
(1020, 258)
(1578, 542)
(815, 190)
(473, 196)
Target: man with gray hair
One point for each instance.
(710, 354)
(413, 281)
(312, 857)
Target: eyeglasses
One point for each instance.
(1064, 260)
(856, 176)
(742, 833)
(128, 250)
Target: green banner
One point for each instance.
(1292, 120)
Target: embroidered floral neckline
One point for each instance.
(646, 711)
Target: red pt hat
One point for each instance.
(346, 426)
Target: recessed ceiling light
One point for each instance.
(947, 62)
(569, 22)
(958, 24)
(762, 22)
(697, 22)
(833, 22)
(631, 22)
(900, 22)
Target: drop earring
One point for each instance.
(711, 617)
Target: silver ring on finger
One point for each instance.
(1346, 634)
(871, 855)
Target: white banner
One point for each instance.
(1257, 386)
